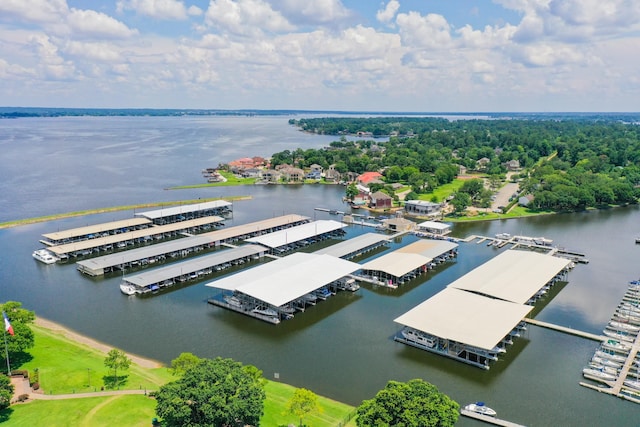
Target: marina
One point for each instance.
(185, 246)
(286, 241)
(357, 246)
(283, 286)
(496, 296)
(121, 241)
(615, 366)
(93, 231)
(195, 269)
(170, 215)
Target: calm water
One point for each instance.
(342, 348)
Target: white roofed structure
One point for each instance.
(513, 275)
(287, 279)
(355, 246)
(464, 317)
(434, 227)
(182, 212)
(298, 233)
(96, 230)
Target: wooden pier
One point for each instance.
(488, 419)
(566, 330)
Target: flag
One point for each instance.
(7, 325)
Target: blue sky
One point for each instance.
(388, 55)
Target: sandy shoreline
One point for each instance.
(52, 326)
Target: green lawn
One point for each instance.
(443, 191)
(231, 181)
(66, 366)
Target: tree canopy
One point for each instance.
(6, 391)
(22, 338)
(184, 362)
(412, 404)
(116, 360)
(302, 403)
(219, 392)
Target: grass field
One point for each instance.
(231, 181)
(66, 366)
(443, 191)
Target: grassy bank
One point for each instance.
(113, 209)
(67, 366)
(231, 180)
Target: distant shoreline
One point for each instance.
(26, 221)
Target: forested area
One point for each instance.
(565, 164)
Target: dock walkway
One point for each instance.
(566, 330)
(489, 420)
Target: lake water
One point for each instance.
(341, 348)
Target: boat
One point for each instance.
(419, 337)
(621, 326)
(233, 301)
(598, 374)
(503, 236)
(480, 408)
(45, 256)
(128, 289)
(310, 298)
(633, 384)
(603, 361)
(611, 356)
(617, 345)
(265, 311)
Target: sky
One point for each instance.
(349, 55)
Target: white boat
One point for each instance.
(615, 357)
(419, 337)
(128, 289)
(45, 256)
(617, 345)
(602, 361)
(624, 326)
(480, 408)
(503, 236)
(265, 311)
(309, 297)
(233, 301)
(598, 374)
(619, 335)
(633, 384)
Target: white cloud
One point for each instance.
(547, 54)
(51, 64)
(313, 12)
(34, 11)
(245, 17)
(389, 12)
(101, 52)
(159, 9)
(90, 23)
(429, 31)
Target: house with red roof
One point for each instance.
(369, 177)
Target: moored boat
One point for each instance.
(598, 375)
(44, 256)
(128, 289)
(480, 408)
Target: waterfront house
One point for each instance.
(292, 174)
(380, 200)
(368, 178)
(422, 208)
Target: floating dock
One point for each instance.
(488, 419)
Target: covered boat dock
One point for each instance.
(462, 325)
(515, 275)
(274, 291)
(105, 229)
(408, 262)
(186, 212)
(190, 270)
(477, 315)
(284, 241)
(184, 247)
(356, 246)
(137, 237)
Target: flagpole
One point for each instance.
(6, 350)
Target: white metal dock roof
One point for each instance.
(137, 234)
(410, 257)
(465, 317)
(158, 275)
(96, 229)
(355, 244)
(182, 209)
(429, 248)
(137, 254)
(434, 225)
(512, 276)
(255, 227)
(297, 233)
(286, 279)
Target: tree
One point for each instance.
(22, 338)
(460, 201)
(413, 404)
(219, 392)
(183, 363)
(117, 360)
(6, 391)
(351, 191)
(302, 403)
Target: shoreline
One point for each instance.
(90, 342)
